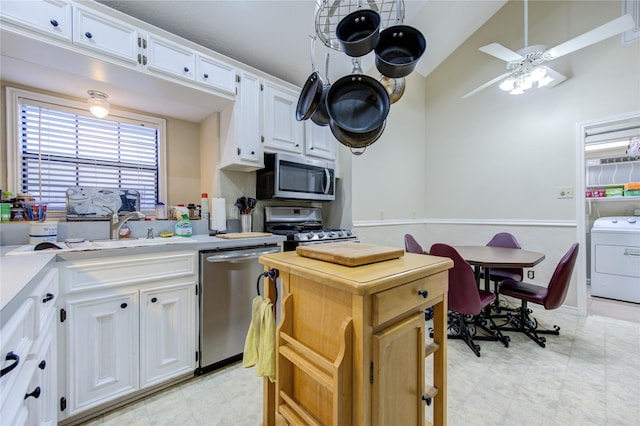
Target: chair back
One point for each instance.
(464, 297)
(506, 240)
(411, 245)
(559, 283)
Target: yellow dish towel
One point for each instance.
(250, 356)
(260, 343)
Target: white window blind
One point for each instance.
(60, 148)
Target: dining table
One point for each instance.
(488, 257)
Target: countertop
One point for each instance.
(17, 271)
(365, 279)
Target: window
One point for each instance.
(59, 144)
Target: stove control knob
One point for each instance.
(331, 235)
(340, 234)
(310, 235)
(320, 234)
(348, 233)
(631, 220)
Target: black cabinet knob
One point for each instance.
(47, 297)
(206, 75)
(426, 399)
(11, 356)
(35, 393)
(42, 364)
(54, 23)
(186, 69)
(154, 300)
(123, 305)
(423, 293)
(88, 35)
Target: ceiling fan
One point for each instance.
(525, 67)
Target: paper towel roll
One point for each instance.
(218, 218)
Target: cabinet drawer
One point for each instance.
(117, 271)
(45, 298)
(17, 339)
(216, 74)
(406, 298)
(50, 17)
(170, 58)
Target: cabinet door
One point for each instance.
(216, 74)
(170, 58)
(319, 141)
(167, 333)
(102, 354)
(51, 17)
(398, 373)
(105, 34)
(42, 402)
(281, 129)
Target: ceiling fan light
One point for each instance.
(527, 83)
(544, 81)
(507, 85)
(538, 73)
(98, 104)
(517, 91)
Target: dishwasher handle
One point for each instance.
(234, 256)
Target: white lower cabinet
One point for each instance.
(130, 324)
(102, 347)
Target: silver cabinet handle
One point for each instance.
(631, 252)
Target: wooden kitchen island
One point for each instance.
(350, 348)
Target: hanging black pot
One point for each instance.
(357, 140)
(398, 51)
(309, 98)
(358, 103)
(320, 116)
(359, 32)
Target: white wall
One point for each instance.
(493, 161)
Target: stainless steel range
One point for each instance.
(302, 226)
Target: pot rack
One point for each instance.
(330, 12)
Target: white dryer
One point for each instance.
(615, 258)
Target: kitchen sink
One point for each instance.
(103, 245)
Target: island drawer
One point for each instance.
(410, 297)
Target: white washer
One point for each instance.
(615, 258)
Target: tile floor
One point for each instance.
(589, 375)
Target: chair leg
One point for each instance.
(459, 329)
(523, 322)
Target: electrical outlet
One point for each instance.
(565, 192)
(531, 274)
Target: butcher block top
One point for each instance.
(350, 254)
(366, 279)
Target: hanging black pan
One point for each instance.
(358, 32)
(398, 51)
(320, 116)
(311, 93)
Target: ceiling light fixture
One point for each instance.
(525, 79)
(98, 104)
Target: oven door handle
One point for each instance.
(240, 257)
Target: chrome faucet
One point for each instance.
(116, 223)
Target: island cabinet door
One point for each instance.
(398, 373)
(103, 349)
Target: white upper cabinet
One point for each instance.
(51, 17)
(282, 132)
(319, 141)
(105, 35)
(240, 127)
(171, 58)
(214, 73)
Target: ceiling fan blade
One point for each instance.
(557, 77)
(501, 52)
(603, 32)
(487, 84)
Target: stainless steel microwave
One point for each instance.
(295, 177)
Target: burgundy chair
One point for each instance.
(551, 297)
(411, 245)
(497, 275)
(467, 303)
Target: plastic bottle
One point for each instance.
(204, 206)
(183, 227)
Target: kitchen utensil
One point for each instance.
(311, 91)
(394, 86)
(357, 140)
(359, 32)
(320, 116)
(398, 51)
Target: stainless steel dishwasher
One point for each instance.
(227, 288)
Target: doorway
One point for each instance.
(601, 142)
